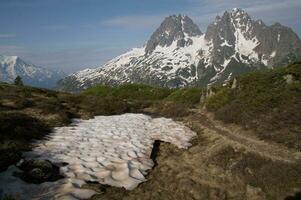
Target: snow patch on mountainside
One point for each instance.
(170, 58)
(124, 59)
(244, 45)
(181, 57)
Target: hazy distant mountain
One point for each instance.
(178, 54)
(13, 66)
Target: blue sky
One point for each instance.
(76, 34)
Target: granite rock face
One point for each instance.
(173, 28)
(178, 54)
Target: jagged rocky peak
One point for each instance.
(240, 19)
(179, 55)
(228, 22)
(238, 13)
(174, 28)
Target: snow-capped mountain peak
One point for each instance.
(178, 54)
(13, 66)
(8, 59)
(174, 29)
(238, 12)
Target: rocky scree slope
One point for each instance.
(178, 54)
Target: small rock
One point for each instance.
(234, 84)
(254, 193)
(289, 79)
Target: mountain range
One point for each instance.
(13, 66)
(179, 54)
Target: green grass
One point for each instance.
(137, 92)
(130, 92)
(265, 102)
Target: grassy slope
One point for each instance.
(265, 102)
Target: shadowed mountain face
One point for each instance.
(173, 28)
(178, 54)
(13, 66)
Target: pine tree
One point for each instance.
(18, 81)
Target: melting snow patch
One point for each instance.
(225, 43)
(273, 54)
(113, 150)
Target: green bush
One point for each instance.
(130, 92)
(220, 99)
(186, 96)
(173, 109)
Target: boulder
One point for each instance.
(38, 171)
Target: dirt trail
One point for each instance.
(239, 137)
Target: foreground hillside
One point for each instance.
(28, 113)
(268, 102)
(247, 144)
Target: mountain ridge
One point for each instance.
(13, 66)
(178, 54)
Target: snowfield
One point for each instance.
(113, 150)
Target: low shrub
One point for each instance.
(264, 101)
(185, 95)
(130, 92)
(220, 99)
(173, 109)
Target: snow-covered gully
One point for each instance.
(113, 150)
